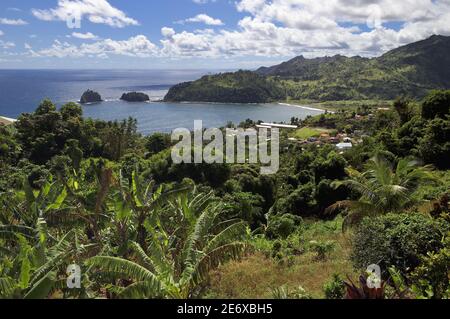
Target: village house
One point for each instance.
(344, 146)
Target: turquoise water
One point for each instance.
(22, 90)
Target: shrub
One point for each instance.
(299, 202)
(282, 226)
(432, 277)
(283, 251)
(335, 288)
(322, 249)
(396, 240)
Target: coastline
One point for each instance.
(7, 120)
(323, 110)
(306, 107)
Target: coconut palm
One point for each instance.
(182, 250)
(383, 188)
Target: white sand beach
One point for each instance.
(305, 107)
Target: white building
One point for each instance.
(344, 146)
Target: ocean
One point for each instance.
(22, 90)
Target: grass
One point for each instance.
(307, 132)
(256, 275)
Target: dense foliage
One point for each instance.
(239, 87)
(398, 240)
(102, 196)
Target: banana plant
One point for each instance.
(26, 206)
(31, 269)
(144, 198)
(176, 268)
(88, 200)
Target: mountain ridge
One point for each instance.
(410, 70)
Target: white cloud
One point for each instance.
(294, 27)
(84, 36)
(167, 32)
(138, 46)
(96, 11)
(7, 44)
(292, 12)
(285, 28)
(12, 21)
(206, 19)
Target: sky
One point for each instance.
(206, 34)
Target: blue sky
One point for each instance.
(207, 33)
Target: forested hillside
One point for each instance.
(410, 71)
(239, 87)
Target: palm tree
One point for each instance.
(383, 188)
(183, 247)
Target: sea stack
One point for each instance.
(135, 97)
(90, 97)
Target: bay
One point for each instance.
(22, 90)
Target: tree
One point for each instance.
(157, 142)
(40, 133)
(71, 110)
(436, 104)
(434, 147)
(382, 188)
(404, 110)
(409, 135)
(331, 167)
(45, 107)
(326, 194)
(246, 206)
(299, 202)
(385, 120)
(9, 148)
(74, 152)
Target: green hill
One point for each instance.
(238, 87)
(410, 70)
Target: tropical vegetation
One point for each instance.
(99, 195)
